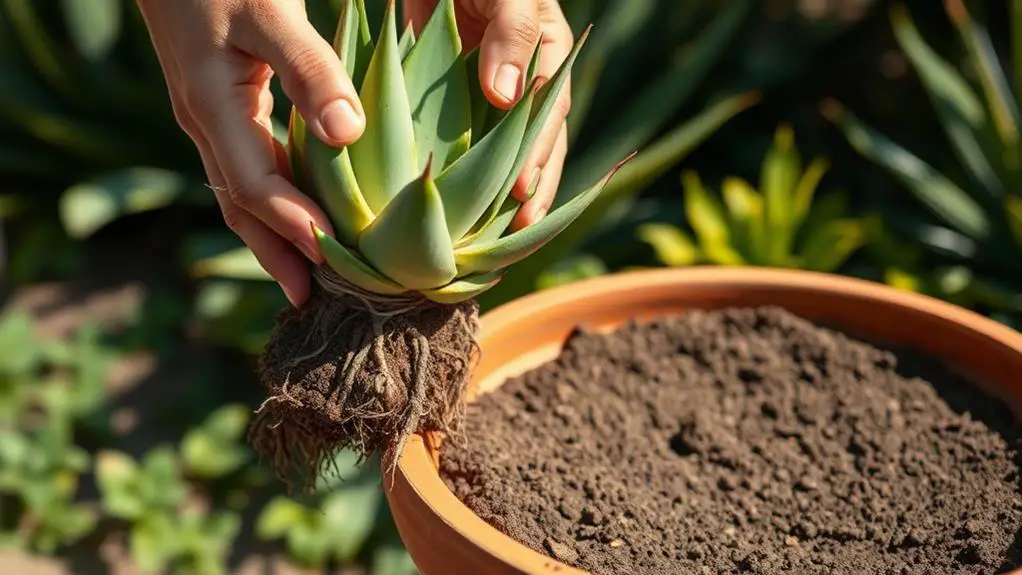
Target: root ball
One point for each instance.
(342, 373)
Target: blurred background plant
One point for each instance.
(131, 315)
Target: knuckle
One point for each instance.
(523, 30)
(240, 196)
(306, 65)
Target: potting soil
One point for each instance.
(744, 441)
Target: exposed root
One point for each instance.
(360, 371)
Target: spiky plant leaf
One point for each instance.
(407, 41)
(806, 190)
(830, 245)
(942, 196)
(408, 242)
(353, 269)
(780, 172)
(385, 157)
(438, 92)
(745, 206)
(352, 40)
(673, 247)
(704, 212)
(338, 189)
(470, 184)
(464, 289)
(507, 250)
(960, 109)
(494, 228)
(295, 147)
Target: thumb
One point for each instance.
(310, 72)
(506, 48)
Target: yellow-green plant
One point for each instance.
(977, 234)
(778, 225)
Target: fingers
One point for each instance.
(310, 71)
(506, 48)
(536, 207)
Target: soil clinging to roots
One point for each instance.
(352, 370)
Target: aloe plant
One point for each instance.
(779, 225)
(976, 223)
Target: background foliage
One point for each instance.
(873, 138)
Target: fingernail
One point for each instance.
(533, 183)
(289, 296)
(507, 81)
(340, 122)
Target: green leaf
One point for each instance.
(831, 244)
(959, 107)
(672, 246)
(464, 289)
(308, 543)
(336, 185)
(392, 559)
(384, 157)
(472, 183)
(408, 242)
(278, 517)
(349, 266)
(806, 190)
(438, 92)
(502, 252)
(745, 210)
(238, 263)
(116, 474)
(651, 163)
(93, 26)
(1015, 15)
(1013, 211)
(353, 42)
(154, 541)
(779, 178)
(295, 148)
(214, 449)
(350, 515)
(87, 207)
(1002, 105)
(539, 113)
(704, 212)
(407, 41)
(478, 104)
(651, 108)
(943, 197)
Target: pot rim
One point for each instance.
(417, 468)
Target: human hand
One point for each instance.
(218, 57)
(506, 32)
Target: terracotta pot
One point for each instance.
(444, 537)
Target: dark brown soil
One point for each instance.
(745, 441)
(340, 377)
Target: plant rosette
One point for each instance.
(422, 209)
(703, 420)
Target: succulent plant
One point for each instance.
(422, 201)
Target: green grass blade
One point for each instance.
(464, 289)
(408, 242)
(929, 186)
(438, 92)
(831, 244)
(472, 183)
(93, 26)
(505, 251)
(330, 171)
(385, 157)
(960, 109)
(778, 180)
(352, 40)
(1002, 105)
(352, 268)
